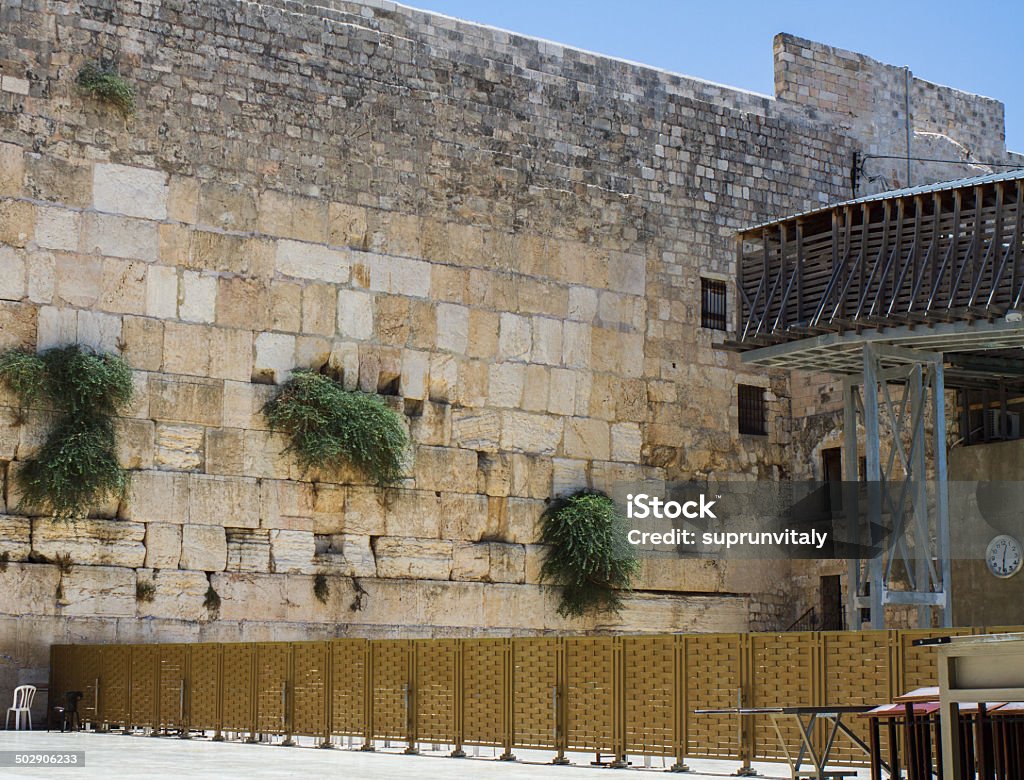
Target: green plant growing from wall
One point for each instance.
(106, 84)
(145, 590)
(329, 426)
(588, 557)
(77, 466)
(321, 587)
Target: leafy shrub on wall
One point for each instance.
(76, 467)
(329, 426)
(589, 557)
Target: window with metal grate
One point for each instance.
(753, 410)
(712, 304)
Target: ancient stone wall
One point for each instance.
(504, 236)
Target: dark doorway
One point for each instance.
(832, 476)
(831, 603)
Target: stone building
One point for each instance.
(507, 237)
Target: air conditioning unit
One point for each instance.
(994, 424)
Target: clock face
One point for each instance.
(1004, 556)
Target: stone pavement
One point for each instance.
(109, 756)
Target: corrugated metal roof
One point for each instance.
(923, 189)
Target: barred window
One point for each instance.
(712, 304)
(752, 410)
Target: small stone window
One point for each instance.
(712, 304)
(753, 410)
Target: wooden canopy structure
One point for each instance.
(904, 294)
(939, 267)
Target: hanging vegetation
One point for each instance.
(588, 557)
(77, 466)
(106, 84)
(329, 426)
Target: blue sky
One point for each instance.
(971, 46)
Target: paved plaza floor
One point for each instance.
(119, 757)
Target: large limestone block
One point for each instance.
(179, 447)
(576, 344)
(355, 314)
(466, 516)
(12, 169)
(291, 552)
(507, 562)
(515, 339)
(198, 297)
(225, 451)
(505, 384)
(364, 511)
(18, 325)
(453, 327)
(523, 520)
(100, 332)
(627, 442)
(114, 236)
(13, 274)
(57, 327)
(286, 504)
(399, 275)
(163, 545)
(410, 513)
(349, 555)
(292, 216)
(162, 291)
(188, 400)
(409, 558)
(312, 261)
(275, 357)
(177, 595)
(17, 222)
(533, 433)
(203, 548)
(136, 192)
(471, 561)
(15, 537)
(231, 354)
(157, 496)
(229, 206)
(587, 438)
(227, 501)
(99, 591)
(450, 469)
(432, 427)
(248, 549)
(329, 508)
(547, 341)
(90, 542)
(29, 590)
(476, 429)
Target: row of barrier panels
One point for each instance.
(616, 696)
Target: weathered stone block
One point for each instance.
(231, 354)
(12, 169)
(225, 451)
(364, 511)
(408, 558)
(452, 327)
(162, 292)
(627, 442)
(248, 549)
(198, 297)
(90, 542)
(203, 547)
(547, 341)
(291, 552)
(471, 561)
(57, 228)
(113, 236)
(292, 216)
(136, 192)
(163, 545)
(156, 496)
(534, 433)
(576, 344)
(229, 206)
(312, 261)
(275, 356)
(346, 554)
(18, 323)
(515, 340)
(135, 443)
(505, 384)
(507, 562)
(189, 400)
(78, 281)
(465, 516)
(227, 501)
(13, 274)
(587, 438)
(399, 275)
(177, 595)
(123, 286)
(285, 504)
(179, 447)
(17, 222)
(99, 591)
(355, 314)
(407, 513)
(186, 349)
(15, 537)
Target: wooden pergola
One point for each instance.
(903, 294)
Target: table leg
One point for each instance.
(894, 747)
(876, 750)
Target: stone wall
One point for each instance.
(504, 236)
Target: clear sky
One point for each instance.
(970, 45)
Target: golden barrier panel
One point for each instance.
(348, 687)
(436, 689)
(650, 691)
(784, 672)
(484, 691)
(391, 688)
(858, 670)
(311, 676)
(613, 695)
(203, 691)
(114, 671)
(535, 679)
(238, 707)
(273, 660)
(145, 665)
(714, 678)
(171, 686)
(590, 682)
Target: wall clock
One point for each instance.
(1004, 556)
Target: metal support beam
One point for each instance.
(908, 532)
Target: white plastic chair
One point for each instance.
(23, 696)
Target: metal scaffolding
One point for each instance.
(907, 529)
